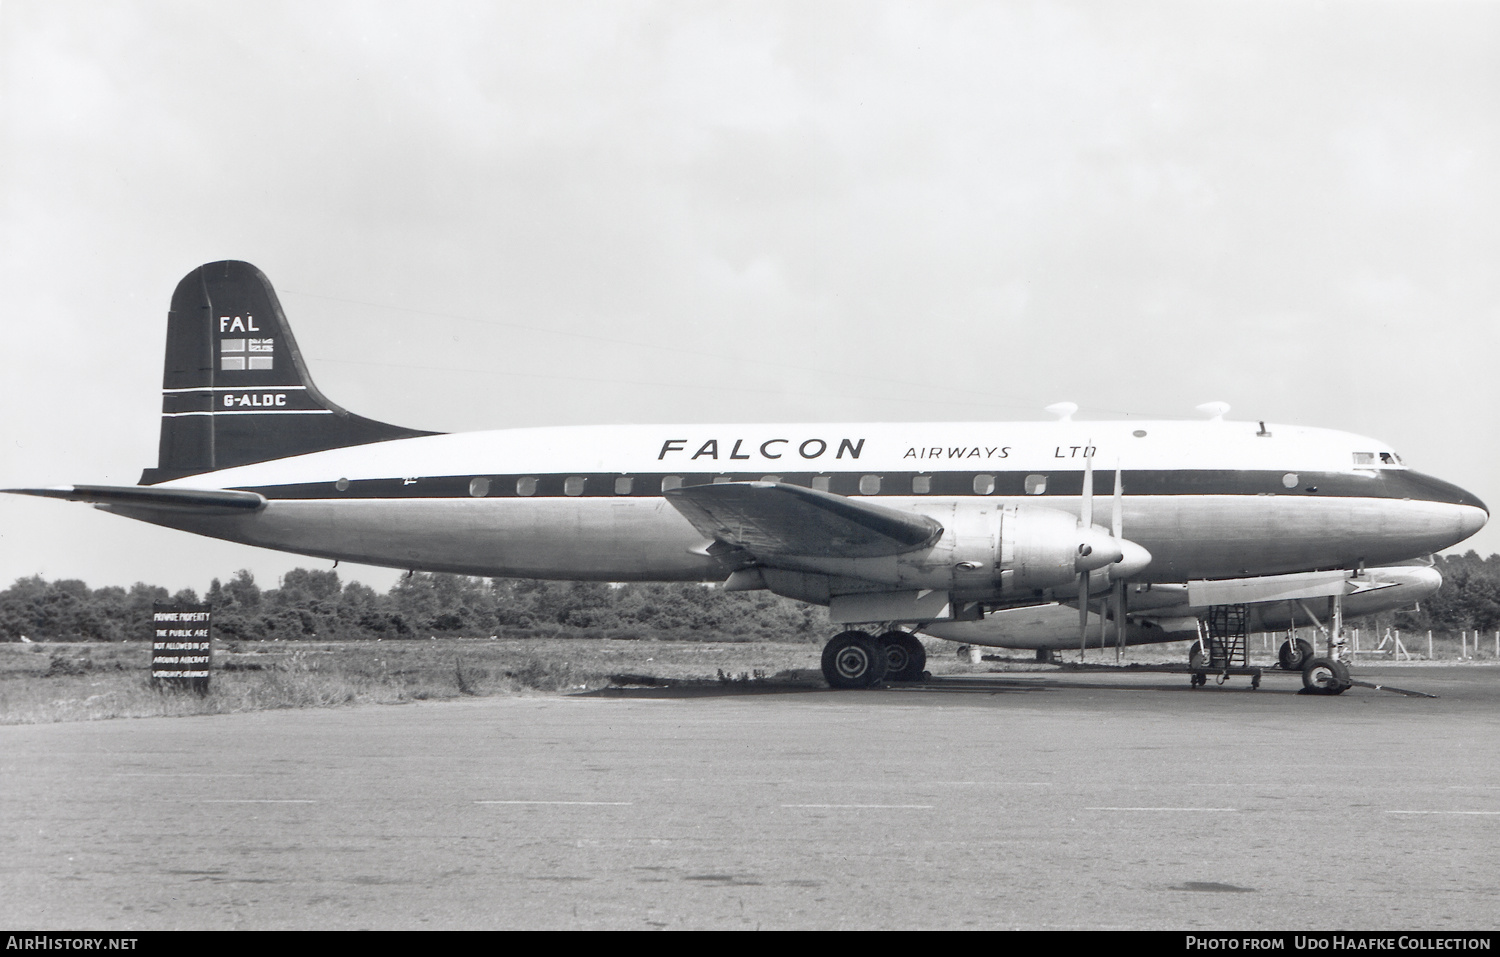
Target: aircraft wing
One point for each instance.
(152, 497)
(769, 518)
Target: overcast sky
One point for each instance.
(485, 215)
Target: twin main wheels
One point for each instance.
(857, 659)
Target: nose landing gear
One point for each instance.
(1325, 676)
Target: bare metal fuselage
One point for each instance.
(1195, 500)
(644, 539)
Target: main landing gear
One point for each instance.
(857, 659)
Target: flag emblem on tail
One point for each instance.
(238, 355)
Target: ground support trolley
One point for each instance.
(1222, 649)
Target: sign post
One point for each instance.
(181, 653)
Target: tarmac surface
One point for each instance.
(1097, 800)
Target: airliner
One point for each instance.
(894, 527)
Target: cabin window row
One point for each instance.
(574, 485)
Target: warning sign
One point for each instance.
(181, 653)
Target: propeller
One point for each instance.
(1122, 558)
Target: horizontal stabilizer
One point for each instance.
(138, 496)
(770, 518)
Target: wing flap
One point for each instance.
(138, 496)
(771, 518)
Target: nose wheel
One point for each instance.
(1325, 676)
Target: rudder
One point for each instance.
(235, 389)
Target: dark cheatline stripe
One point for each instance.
(1389, 484)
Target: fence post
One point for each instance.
(1429, 646)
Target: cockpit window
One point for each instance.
(1378, 460)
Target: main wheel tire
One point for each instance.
(1196, 657)
(853, 659)
(1295, 657)
(905, 657)
(1325, 676)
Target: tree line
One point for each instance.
(316, 604)
(309, 604)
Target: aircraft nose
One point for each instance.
(1473, 517)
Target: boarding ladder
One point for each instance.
(1223, 646)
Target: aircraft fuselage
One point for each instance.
(1206, 499)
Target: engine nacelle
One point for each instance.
(1026, 550)
(987, 552)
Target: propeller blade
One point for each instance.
(1085, 522)
(1083, 610)
(1119, 613)
(1117, 519)
(1086, 517)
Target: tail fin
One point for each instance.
(236, 390)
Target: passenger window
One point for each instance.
(623, 484)
(1036, 484)
(573, 485)
(1290, 480)
(820, 483)
(770, 478)
(526, 485)
(669, 482)
(869, 484)
(984, 484)
(921, 484)
(723, 479)
(479, 487)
